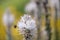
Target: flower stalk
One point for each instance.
(8, 20)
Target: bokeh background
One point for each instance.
(17, 8)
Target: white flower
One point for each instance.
(27, 24)
(8, 18)
(30, 7)
(54, 3)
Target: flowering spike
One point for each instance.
(27, 27)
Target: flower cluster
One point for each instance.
(27, 26)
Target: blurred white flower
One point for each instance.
(31, 8)
(8, 18)
(54, 3)
(27, 26)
